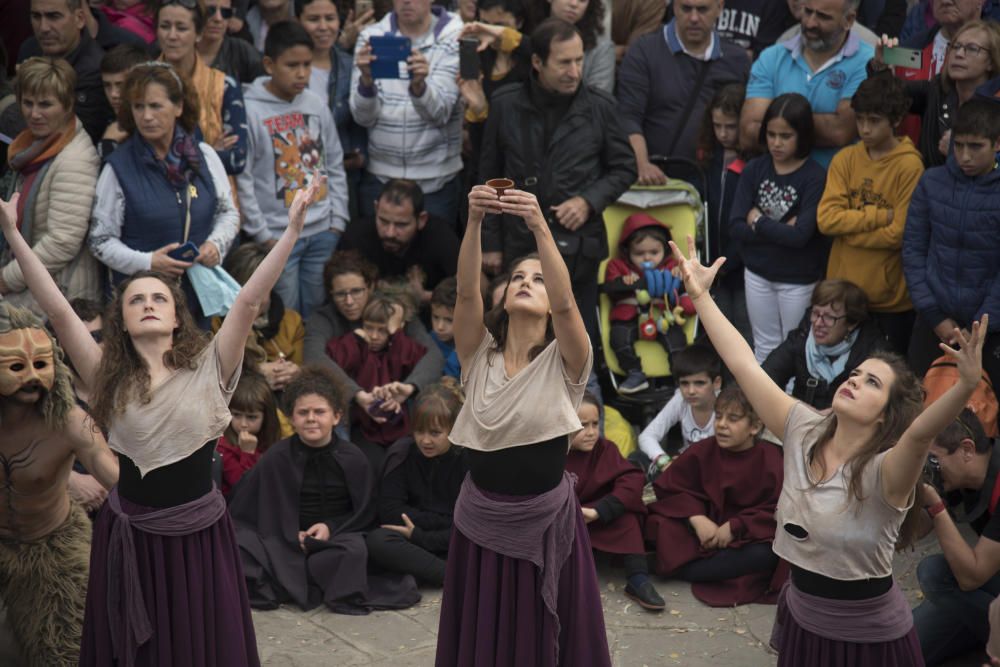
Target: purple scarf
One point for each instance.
(130, 626)
(885, 617)
(182, 161)
(539, 529)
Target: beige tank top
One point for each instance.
(537, 404)
(845, 539)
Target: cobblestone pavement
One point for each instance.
(688, 633)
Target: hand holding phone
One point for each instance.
(391, 52)
(468, 59)
(901, 57)
(185, 253)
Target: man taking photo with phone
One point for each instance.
(414, 123)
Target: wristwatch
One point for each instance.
(935, 509)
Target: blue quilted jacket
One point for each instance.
(951, 246)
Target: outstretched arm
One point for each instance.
(574, 343)
(469, 328)
(70, 330)
(902, 466)
(767, 398)
(257, 289)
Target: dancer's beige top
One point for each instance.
(185, 411)
(846, 540)
(537, 404)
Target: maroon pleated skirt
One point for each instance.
(797, 646)
(492, 613)
(194, 594)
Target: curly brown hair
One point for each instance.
(179, 89)
(344, 262)
(905, 403)
(122, 376)
(315, 380)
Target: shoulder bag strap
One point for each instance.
(689, 107)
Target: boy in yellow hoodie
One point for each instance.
(863, 209)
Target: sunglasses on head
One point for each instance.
(225, 12)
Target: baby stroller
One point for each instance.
(679, 205)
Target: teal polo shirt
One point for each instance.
(782, 69)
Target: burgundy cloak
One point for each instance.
(601, 472)
(739, 487)
(374, 369)
(265, 510)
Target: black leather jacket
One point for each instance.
(588, 155)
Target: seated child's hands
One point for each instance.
(589, 514)
(406, 530)
(630, 278)
(723, 536)
(396, 320)
(705, 529)
(317, 531)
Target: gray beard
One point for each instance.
(822, 44)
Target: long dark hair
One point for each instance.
(590, 24)
(252, 393)
(122, 376)
(795, 110)
(728, 100)
(904, 405)
(497, 319)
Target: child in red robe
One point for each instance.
(610, 493)
(379, 355)
(713, 520)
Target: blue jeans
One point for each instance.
(301, 283)
(950, 621)
(441, 204)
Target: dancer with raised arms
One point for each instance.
(849, 480)
(520, 586)
(166, 586)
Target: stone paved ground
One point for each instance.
(689, 633)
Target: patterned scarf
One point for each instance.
(828, 361)
(182, 162)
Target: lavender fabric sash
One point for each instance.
(539, 529)
(130, 626)
(886, 617)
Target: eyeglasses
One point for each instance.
(355, 294)
(971, 50)
(226, 12)
(826, 319)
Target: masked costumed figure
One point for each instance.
(44, 537)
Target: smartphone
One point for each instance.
(185, 253)
(361, 6)
(391, 52)
(468, 59)
(905, 58)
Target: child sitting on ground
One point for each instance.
(301, 513)
(443, 300)
(378, 356)
(713, 520)
(420, 484)
(699, 378)
(610, 491)
(649, 301)
(254, 428)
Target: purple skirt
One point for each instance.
(797, 646)
(194, 595)
(492, 613)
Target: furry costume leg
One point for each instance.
(44, 585)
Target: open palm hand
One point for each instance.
(697, 277)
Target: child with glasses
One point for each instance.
(835, 335)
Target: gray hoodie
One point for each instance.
(288, 141)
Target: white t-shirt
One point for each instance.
(675, 411)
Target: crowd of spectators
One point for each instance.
(857, 200)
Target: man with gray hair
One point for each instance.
(825, 63)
